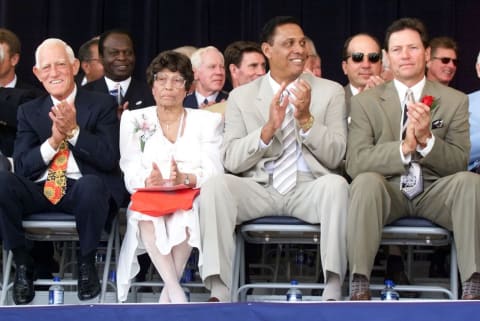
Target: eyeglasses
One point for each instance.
(446, 60)
(373, 57)
(162, 80)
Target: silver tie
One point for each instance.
(285, 169)
(411, 183)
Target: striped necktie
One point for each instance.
(285, 168)
(116, 92)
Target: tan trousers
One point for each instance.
(452, 202)
(228, 200)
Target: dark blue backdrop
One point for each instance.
(161, 24)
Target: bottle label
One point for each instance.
(292, 297)
(55, 297)
(390, 296)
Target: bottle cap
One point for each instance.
(56, 279)
(389, 283)
(294, 282)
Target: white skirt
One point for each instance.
(170, 230)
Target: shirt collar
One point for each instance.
(70, 99)
(354, 90)
(276, 86)
(111, 85)
(201, 98)
(417, 89)
(12, 83)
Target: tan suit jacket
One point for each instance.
(374, 137)
(348, 97)
(323, 148)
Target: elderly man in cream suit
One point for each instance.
(257, 150)
(380, 153)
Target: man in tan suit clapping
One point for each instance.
(285, 134)
(390, 149)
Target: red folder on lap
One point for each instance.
(158, 203)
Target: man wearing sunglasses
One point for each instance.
(362, 64)
(442, 60)
(388, 154)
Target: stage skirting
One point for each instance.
(344, 311)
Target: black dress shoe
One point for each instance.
(23, 290)
(88, 283)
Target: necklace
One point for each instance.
(173, 122)
(167, 125)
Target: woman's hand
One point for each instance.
(176, 176)
(155, 178)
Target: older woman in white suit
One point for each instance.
(163, 145)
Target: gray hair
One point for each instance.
(196, 58)
(54, 41)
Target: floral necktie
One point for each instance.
(56, 182)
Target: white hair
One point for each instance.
(478, 58)
(2, 54)
(54, 41)
(196, 58)
(186, 50)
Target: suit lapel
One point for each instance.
(82, 102)
(430, 89)
(44, 121)
(262, 102)
(391, 105)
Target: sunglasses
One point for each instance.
(373, 57)
(446, 60)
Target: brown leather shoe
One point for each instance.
(213, 299)
(470, 297)
(361, 296)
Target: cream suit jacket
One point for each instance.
(374, 136)
(323, 148)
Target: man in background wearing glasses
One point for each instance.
(90, 63)
(361, 64)
(442, 60)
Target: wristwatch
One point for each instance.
(308, 124)
(187, 180)
(73, 132)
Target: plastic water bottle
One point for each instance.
(300, 259)
(294, 294)
(56, 292)
(389, 293)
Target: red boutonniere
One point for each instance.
(430, 101)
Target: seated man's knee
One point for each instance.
(6, 181)
(467, 179)
(4, 163)
(368, 182)
(91, 187)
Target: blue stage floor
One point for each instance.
(344, 311)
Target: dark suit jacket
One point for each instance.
(374, 135)
(138, 95)
(10, 99)
(191, 101)
(96, 151)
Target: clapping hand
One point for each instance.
(155, 178)
(276, 115)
